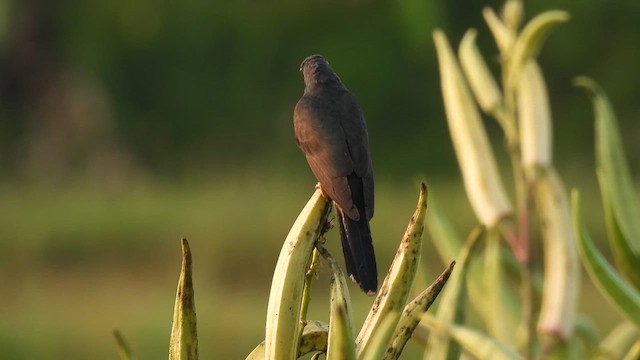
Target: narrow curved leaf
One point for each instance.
(479, 345)
(450, 310)
(183, 344)
(620, 294)
(482, 180)
(341, 343)
(284, 323)
(412, 314)
(396, 286)
(530, 41)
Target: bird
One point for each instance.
(331, 132)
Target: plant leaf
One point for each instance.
(341, 344)
(617, 342)
(561, 265)
(412, 314)
(530, 41)
(124, 351)
(396, 286)
(616, 185)
(620, 294)
(477, 344)
(314, 339)
(284, 325)
(183, 344)
(450, 308)
(482, 181)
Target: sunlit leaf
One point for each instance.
(451, 309)
(479, 345)
(482, 180)
(620, 294)
(395, 289)
(412, 314)
(183, 344)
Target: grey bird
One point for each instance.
(331, 132)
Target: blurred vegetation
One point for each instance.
(126, 125)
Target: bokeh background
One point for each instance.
(126, 125)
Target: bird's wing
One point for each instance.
(357, 138)
(323, 141)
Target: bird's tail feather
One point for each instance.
(359, 256)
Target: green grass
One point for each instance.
(78, 261)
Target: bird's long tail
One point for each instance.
(359, 256)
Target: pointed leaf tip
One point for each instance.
(183, 344)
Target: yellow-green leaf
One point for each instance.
(620, 294)
(450, 310)
(341, 343)
(412, 314)
(396, 286)
(480, 173)
(616, 183)
(477, 344)
(284, 323)
(183, 344)
(530, 41)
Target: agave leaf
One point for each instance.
(503, 35)
(412, 314)
(484, 87)
(447, 242)
(561, 264)
(534, 118)
(617, 342)
(634, 352)
(498, 322)
(477, 344)
(616, 184)
(628, 263)
(530, 41)
(314, 339)
(284, 323)
(396, 286)
(380, 338)
(450, 309)
(482, 181)
(124, 351)
(341, 344)
(183, 344)
(512, 13)
(620, 294)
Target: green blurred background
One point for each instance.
(125, 125)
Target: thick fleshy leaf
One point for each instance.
(412, 314)
(622, 207)
(341, 343)
(396, 286)
(530, 41)
(314, 339)
(480, 173)
(124, 351)
(484, 86)
(477, 344)
(183, 344)
(451, 310)
(504, 36)
(561, 265)
(620, 294)
(498, 322)
(534, 118)
(283, 325)
(380, 338)
(446, 240)
(617, 342)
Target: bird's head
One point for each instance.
(316, 70)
